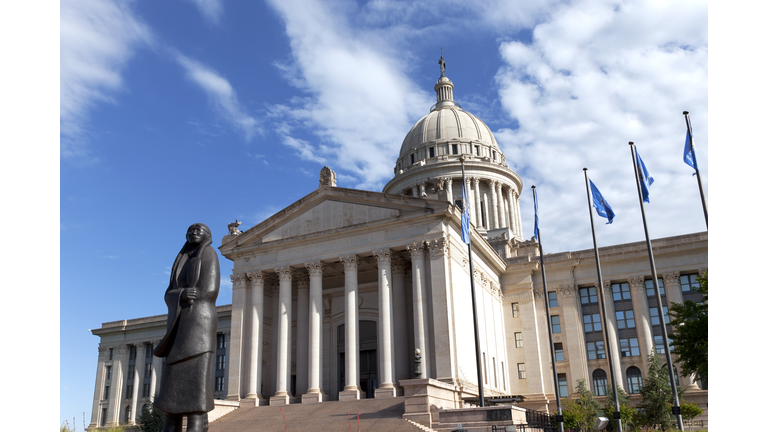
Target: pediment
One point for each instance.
(330, 209)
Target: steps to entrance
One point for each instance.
(376, 415)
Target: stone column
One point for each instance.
(477, 198)
(572, 330)
(282, 397)
(612, 329)
(449, 189)
(502, 212)
(517, 216)
(415, 189)
(257, 338)
(116, 388)
(302, 335)
(494, 207)
(386, 330)
(236, 340)
(100, 377)
(157, 369)
(315, 391)
(136, 382)
(420, 306)
(516, 231)
(642, 319)
(442, 309)
(488, 217)
(675, 295)
(351, 351)
(399, 304)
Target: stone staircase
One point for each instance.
(376, 415)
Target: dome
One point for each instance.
(448, 123)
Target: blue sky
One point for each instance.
(185, 111)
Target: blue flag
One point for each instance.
(535, 217)
(600, 204)
(465, 213)
(689, 152)
(645, 179)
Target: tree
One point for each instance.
(581, 413)
(690, 333)
(150, 419)
(689, 410)
(628, 413)
(657, 395)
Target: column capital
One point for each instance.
(671, 279)
(350, 262)
(475, 181)
(493, 183)
(302, 279)
(238, 280)
(398, 264)
(284, 273)
(315, 268)
(416, 249)
(538, 293)
(383, 256)
(637, 284)
(256, 277)
(568, 291)
(439, 246)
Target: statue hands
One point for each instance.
(189, 295)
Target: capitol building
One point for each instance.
(333, 295)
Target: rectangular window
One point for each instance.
(485, 369)
(629, 347)
(495, 381)
(109, 373)
(148, 351)
(221, 342)
(689, 283)
(592, 323)
(518, 340)
(494, 155)
(555, 324)
(620, 291)
(625, 319)
(562, 383)
(110, 353)
(658, 342)
(412, 158)
(431, 152)
(477, 150)
(129, 391)
(552, 298)
(515, 310)
(655, 315)
(455, 148)
(145, 391)
(132, 352)
(559, 356)
(595, 350)
(521, 371)
(503, 376)
(147, 370)
(104, 415)
(588, 295)
(650, 292)
(219, 383)
(106, 392)
(131, 369)
(220, 362)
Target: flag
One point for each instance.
(465, 212)
(645, 178)
(535, 216)
(600, 204)
(689, 152)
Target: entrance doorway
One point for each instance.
(367, 360)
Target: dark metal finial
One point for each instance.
(631, 143)
(533, 186)
(685, 112)
(585, 169)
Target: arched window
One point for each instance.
(634, 380)
(599, 382)
(127, 414)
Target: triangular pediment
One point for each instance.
(330, 209)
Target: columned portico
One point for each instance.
(352, 386)
(386, 333)
(255, 373)
(282, 396)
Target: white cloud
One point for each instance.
(360, 98)
(598, 75)
(220, 93)
(97, 40)
(212, 10)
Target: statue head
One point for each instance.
(198, 234)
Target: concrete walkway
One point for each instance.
(376, 415)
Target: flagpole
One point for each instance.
(698, 174)
(559, 417)
(660, 305)
(474, 303)
(617, 408)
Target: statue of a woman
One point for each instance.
(190, 340)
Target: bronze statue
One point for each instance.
(190, 340)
